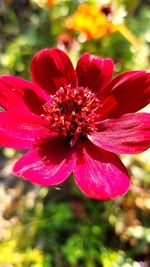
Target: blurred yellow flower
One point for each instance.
(51, 2)
(90, 21)
(95, 22)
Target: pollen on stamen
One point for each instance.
(72, 112)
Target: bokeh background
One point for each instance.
(59, 226)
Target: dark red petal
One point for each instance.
(47, 165)
(126, 93)
(94, 72)
(51, 69)
(100, 174)
(128, 134)
(17, 94)
(19, 130)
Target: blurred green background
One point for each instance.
(59, 226)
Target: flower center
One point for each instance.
(71, 112)
(106, 9)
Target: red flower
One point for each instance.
(74, 121)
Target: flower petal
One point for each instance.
(94, 72)
(100, 174)
(51, 69)
(126, 93)
(19, 130)
(17, 94)
(128, 134)
(47, 165)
